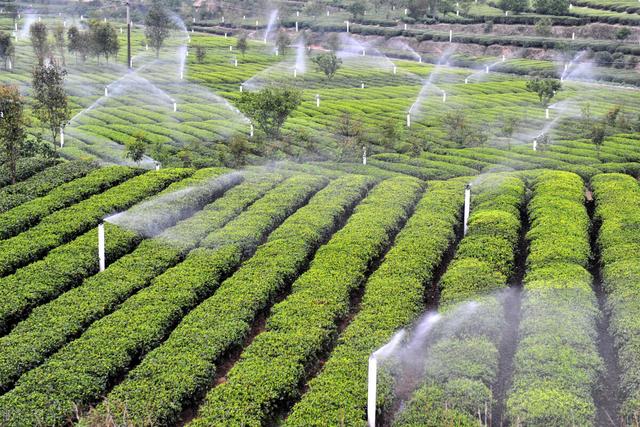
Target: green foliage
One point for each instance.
(136, 148)
(270, 107)
(545, 89)
(39, 40)
(157, 26)
(7, 49)
(551, 7)
(241, 43)
(328, 63)
(516, 6)
(51, 105)
(13, 124)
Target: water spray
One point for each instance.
(467, 207)
(101, 256)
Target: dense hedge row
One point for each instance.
(618, 207)
(301, 326)
(80, 373)
(557, 362)
(442, 169)
(24, 169)
(51, 325)
(64, 225)
(43, 182)
(393, 298)
(182, 368)
(463, 366)
(20, 218)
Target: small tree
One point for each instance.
(75, 41)
(157, 26)
(39, 34)
(545, 89)
(333, 42)
(552, 7)
(349, 132)
(282, 42)
(457, 126)
(201, 53)
(104, 39)
(60, 41)
(357, 9)
(51, 106)
(242, 44)
(7, 49)
(543, 27)
(136, 148)
(597, 135)
(12, 127)
(515, 6)
(328, 63)
(238, 148)
(270, 107)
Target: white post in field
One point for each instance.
(372, 391)
(467, 207)
(101, 255)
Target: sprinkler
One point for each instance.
(535, 145)
(504, 58)
(251, 130)
(364, 52)
(546, 113)
(241, 88)
(225, 35)
(467, 207)
(175, 107)
(10, 64)
(408, 120)
(106, 91)
(486, 69)
(420, 59)
(61, 137)
(295, 72)
(444, 96)
(193, 20)
(157, 165)
(101, 256)
(235, 62)
(372, 391)
(364, 155)
(362, 85)
(131, 63)
(395, 70)
(223, 19)
(466, 80)
(277, 52)
(230, 48)
(146, 47)
(405, 27)
(297, 13)
(16, 26)
(298, 30)
(347, 22)
(573, 36)
(181, 75)
(450, 36)
(318, 100)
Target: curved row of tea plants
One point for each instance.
(463, 365)
(557, 362)
(393, 298)
(182, 368)
(617, 206)
(303, 325)
(81, 372)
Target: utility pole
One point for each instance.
(128, 35)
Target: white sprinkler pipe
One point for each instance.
(467, 207)
(372, 391)
(364, 155)
(61, 136)
(101, 256)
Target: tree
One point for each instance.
(282, 42)
(544, 88)
(543, 27)
(349, 133)
(515, 6)
(457, 126)
(623, 33)
(136, 148)
(75, 41)
(333, 42)
(552, 7)
(270, 107)
(12, 127)
(201, 53)
(238, 148)
(7, 49)
(356, 9)
(328, 63)
(597, 134)
(38, 32)
(157, 26)
(51, 106)
(59, 40)
(104, 39)
(241, 44)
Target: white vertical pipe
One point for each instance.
(251, 131)
(241, 88)
(61, 137)
(444, 96)
(546, 113)
(106, 91)
(372, 391)
(450, 36)
(101, 255)
(467, 207)
(298, 30)
(364, 155)
(318, 100)
(395, 70)
(535, 145)
(175, 107)
(409, 120)
(347, 22)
